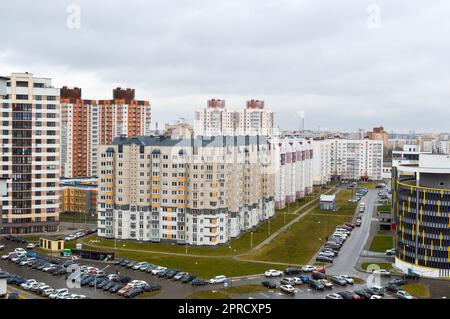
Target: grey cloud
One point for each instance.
(317, 56)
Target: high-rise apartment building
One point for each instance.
(85, 124)
(293, 169)
(215, 119)
(347, 159)
(197, 190)
(29, 154)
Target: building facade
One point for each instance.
(293, 169)
(344, 159)
(215, 120)
(421, 212)
(85, 124)
(79, 196)
(30, 154)
(197, 191)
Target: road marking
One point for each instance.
(264, 295)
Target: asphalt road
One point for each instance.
(348, 256)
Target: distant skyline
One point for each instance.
(346, 65)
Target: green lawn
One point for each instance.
(227, 293)
(344, 207)
(419, 290)
(205, 267)
(384, 208)
(301, 241)
(381, 243)
(239, 245)
(386, 266)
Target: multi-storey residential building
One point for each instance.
(348, 159)
(321, 161)
(79, 134)
(87, 123)
(293, 169)
(197, 190)
(29, 154)
(123, 115)
(79, 196)
(421, 211)
(215, 119)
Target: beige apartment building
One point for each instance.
(198, 190)
(29, 154)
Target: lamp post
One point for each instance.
(95, 283)
(251, 239)
(269, 227)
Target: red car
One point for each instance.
(321, 269)
(350, 225)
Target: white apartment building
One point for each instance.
(215, 119)
(29, 153)
(197, 191)
(293, 169)
(347, 159)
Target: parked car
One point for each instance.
(317, 275)
(333, 296)
(345, 294)
(308, 268)
(269, 284)
(363, 294)
(292, 271)
(348, 279)
(2, 247)
(412, 275)
(376, 290)
(273, 273)
(116, 287)
(133, 292)
(376, 297)
(304, 279)
(287, 281)
(32, 245)
(217, 279)
(287, 289)
(401, 294)
(391, 252)
(338, 281)
(179, 275)
(397, 281)
(358, 222)
(158, 270)
(393, 288)
(152, 287)
(20, 251)
(324, 259)
(326, 283)
(187, 278)
(317, 285)
(382, 272)
(199, 282)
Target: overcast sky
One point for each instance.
(347, 64)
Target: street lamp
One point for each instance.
(96, 274)
(269, 227)
(251, 239)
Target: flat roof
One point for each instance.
(327, 198)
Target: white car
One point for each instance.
(376, 297)
(64, 295)
(288, 289)
(348, 279)
(47, 292)
(137, 283)
(308, 268)
(273, 273)
(217, 279)
(31, 245)
(326, 283)
(2, 247)
(297, 281)
(157, 270)
(28, 283)
(333, 296)
(382, 272)
(401, 294)
(326, 254)
(20, 251)
(57, 292)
